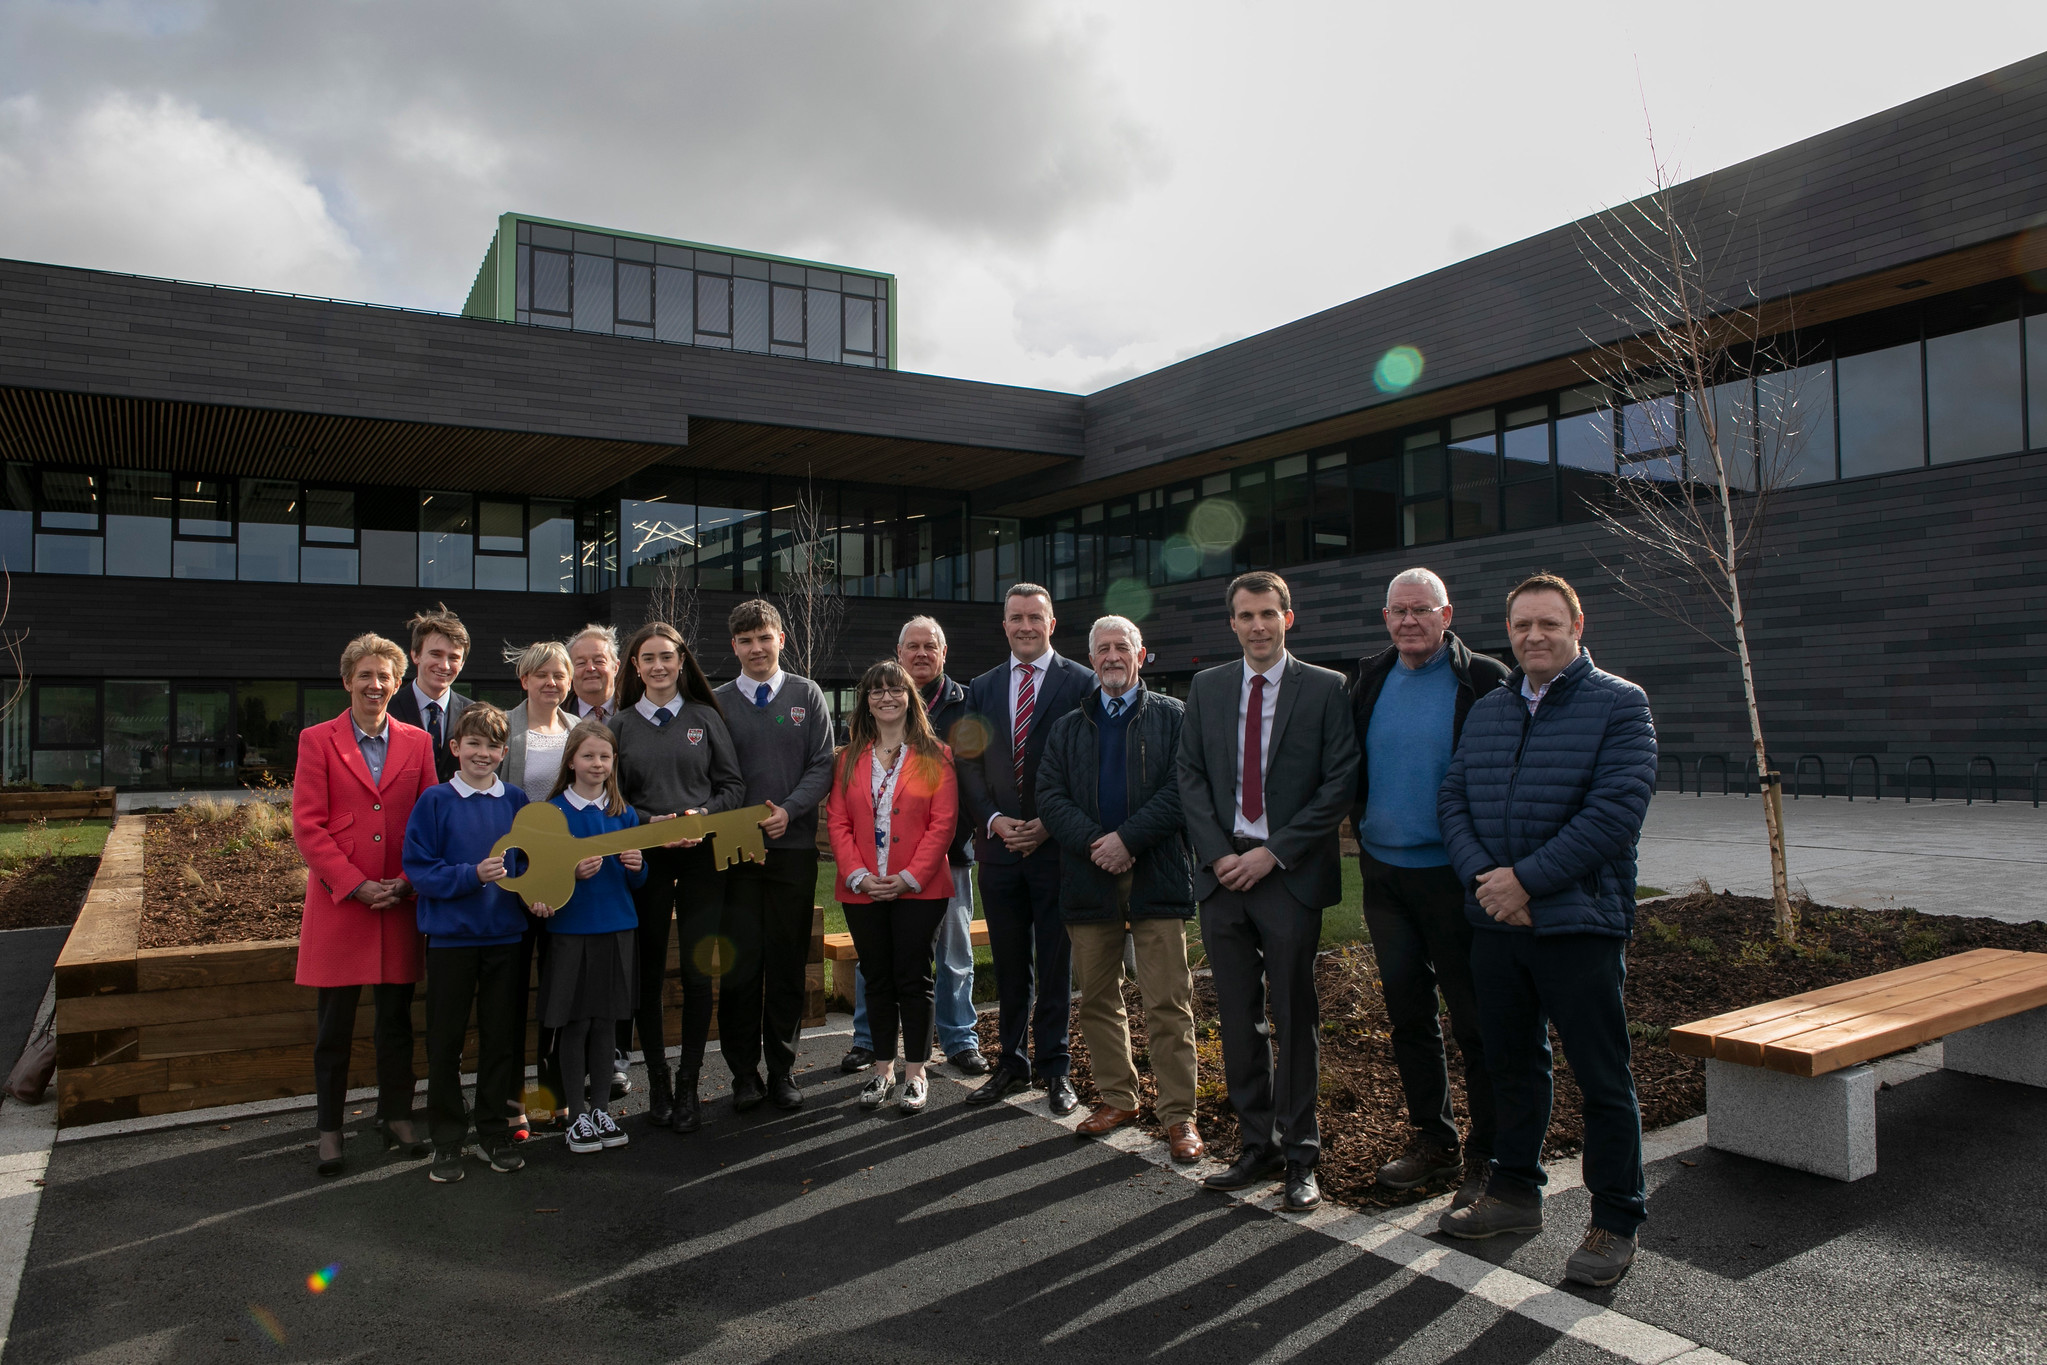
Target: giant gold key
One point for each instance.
(541, 831)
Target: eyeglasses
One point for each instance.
(1410, 613)
(890, 692)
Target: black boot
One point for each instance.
(687, 1119)
(660, 1097)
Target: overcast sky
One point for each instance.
(1070, 193)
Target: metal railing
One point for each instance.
(1932, 777)
(1876, 776)
(1699, 772)
(1798, 774)
(1969, 788)
(2038, 764)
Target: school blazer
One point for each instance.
(406, 708)
(921, 820)
(351, 830)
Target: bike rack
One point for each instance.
(1969, 798)
(2038, 764)
(1678, 759)
(1876, 776)
(1699, 772)
(1798, 773)
(1932, 777)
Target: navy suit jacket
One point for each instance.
(405, 707)
(988, 785)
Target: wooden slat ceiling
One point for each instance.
(751, 448)
(1995, 260)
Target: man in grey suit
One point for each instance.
(1268, 766)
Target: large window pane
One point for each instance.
(1529, 496)
(1652, 446)
(203, 559)
(714, 307)
(269, 531)
(138, 523)
(202, 738)
(674, 304)
(821, 331)
(138, 732)
(551, 548)
(330, 516)
(205, 508)
(995, 542)
(593, 293)
(1375, 502)
(750, 315)
(859, 325)
(70, 500)
(2036, 380)
(1882, 418)
(501, 526)
(636, 293)
(69, 554)
(66, 767)
(267, 729)
(1795, 425)
(1474, 458)
(1254, 500)
(1329, 513)
(1292, 538)
(656, 533)
(1974, 400)
(1729, 411)
(788, 315)
(17, 518)
(446, 540)
(550, 281)
(67, 713)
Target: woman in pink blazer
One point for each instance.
(357, 778)
(892, 809)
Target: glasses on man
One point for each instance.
(1411, 613)
(890, 692)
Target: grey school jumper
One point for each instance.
(785, 751)
(686, 765)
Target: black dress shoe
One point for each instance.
(1251, 1169)
(1002, 1082)
(782, 1090)
(747, 1092)
(686, 1117)
(856, 1059)
(969, 1063)
(1059, 1095)
(1302, 1193)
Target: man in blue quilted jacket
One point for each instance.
(1541, 812)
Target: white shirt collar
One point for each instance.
(576, 799)
(1271, 675)
(584, 708)
(1041, 663)
(463, 789)
(425, 701)
(751, 689)
(1534, 693)
(647, 708)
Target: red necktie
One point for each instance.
(1254, 755)
(1026, 698)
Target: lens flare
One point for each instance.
(267, 1322)
(1182, 557)
(1128, 597)
(318, 1281)
(968, 737)
(539, 1100)
(714, 955)
(1397, 369)
(1215, 524)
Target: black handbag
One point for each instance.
(30, 1078)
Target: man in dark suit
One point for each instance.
(1017, 701)
(1268, 767)
(440, 645)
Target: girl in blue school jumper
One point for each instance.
(590, 980)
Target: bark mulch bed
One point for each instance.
(45, 891)
(1693, 956)
(220, 873)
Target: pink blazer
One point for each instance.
(925, 812)
(351, 830)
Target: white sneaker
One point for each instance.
(608, 1131)
(584, 1136)
(914, 1093)
(876, 1093)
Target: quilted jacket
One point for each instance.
(1069, 802)
(1559, 796)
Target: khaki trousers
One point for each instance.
(1167, 986)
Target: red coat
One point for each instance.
(350, 830)
(925, 812)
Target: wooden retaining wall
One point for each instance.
(93, 803)
(145, 1031)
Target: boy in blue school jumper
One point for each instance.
(473, 928)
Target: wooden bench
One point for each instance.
(1788, 1081)
(839, 951)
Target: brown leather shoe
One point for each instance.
(1105, 1118)
(1185, 1141)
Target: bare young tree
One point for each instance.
(673, 597)
(807, 579)
(1704, 388)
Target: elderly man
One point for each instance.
(1409, 703)
(593, 660)
(1108, 791)
(920, 649)
(1541, 812)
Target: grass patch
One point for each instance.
(39, 839)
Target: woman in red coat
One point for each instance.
(892, 810)
(357, 778)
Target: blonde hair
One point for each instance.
(363, 646)
(536, 656)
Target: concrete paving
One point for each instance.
(1937, 857)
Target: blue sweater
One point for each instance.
(1112, 761)
(447, 836)
(1407, 752)
(604, 903)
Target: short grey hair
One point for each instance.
(608, 634)
(1117, 623)
(925, 621)
(1421, 578)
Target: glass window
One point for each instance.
(1652, 443)
(2036, 380)
(70, 501)
(1729, 410)
(1528, 493)
(1329, 507)
(138, 523)
(1254, 501)
(67, 713)
(202, 737)
(267, 730)
(1795, 424)
(994, 542)
(1375, 501)
(446, 540)
(1882, 418)
(1421, 464)
(138, 732)
(327, 551)
(269, 531)
(69, 554)
(501, 527)
(656, 532)
(788, 315)
(1585, 452)
(635, 293)
(674, 304)
(17, 519)
(1975, 404)
(859, 324)
(204, 508)
(714, 306)
(551, 547)
(322, 703)
(203, 559)
(594, 312)
(1424, 523)
(66, 767)
(550, 281)
(1474, 469)
(1292, 537)
(750, 315)
(821, 336)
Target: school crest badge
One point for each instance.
(695, 736)
(797, 713)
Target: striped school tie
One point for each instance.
(1026, 697)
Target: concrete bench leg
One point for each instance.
(2010, 1049)
(1823, 1124)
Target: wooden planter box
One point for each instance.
(163, 1030)
(94, 803)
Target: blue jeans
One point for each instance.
(953, 991)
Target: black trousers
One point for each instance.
(334, 1043)
(456, 978)
(1031, 949)
(1423, 943)
(1261, 954)
(533, 947)
(894, 941)
(1574, 981)
(768, 912)
(684, 893)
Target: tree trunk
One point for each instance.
(1773, 783)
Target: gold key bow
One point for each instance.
(541, 831)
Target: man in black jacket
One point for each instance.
(1108, 790)
(1409, 704)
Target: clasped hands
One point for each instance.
(1020, 837)
(382, 895)
(1242, 871)
(1501, 895)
